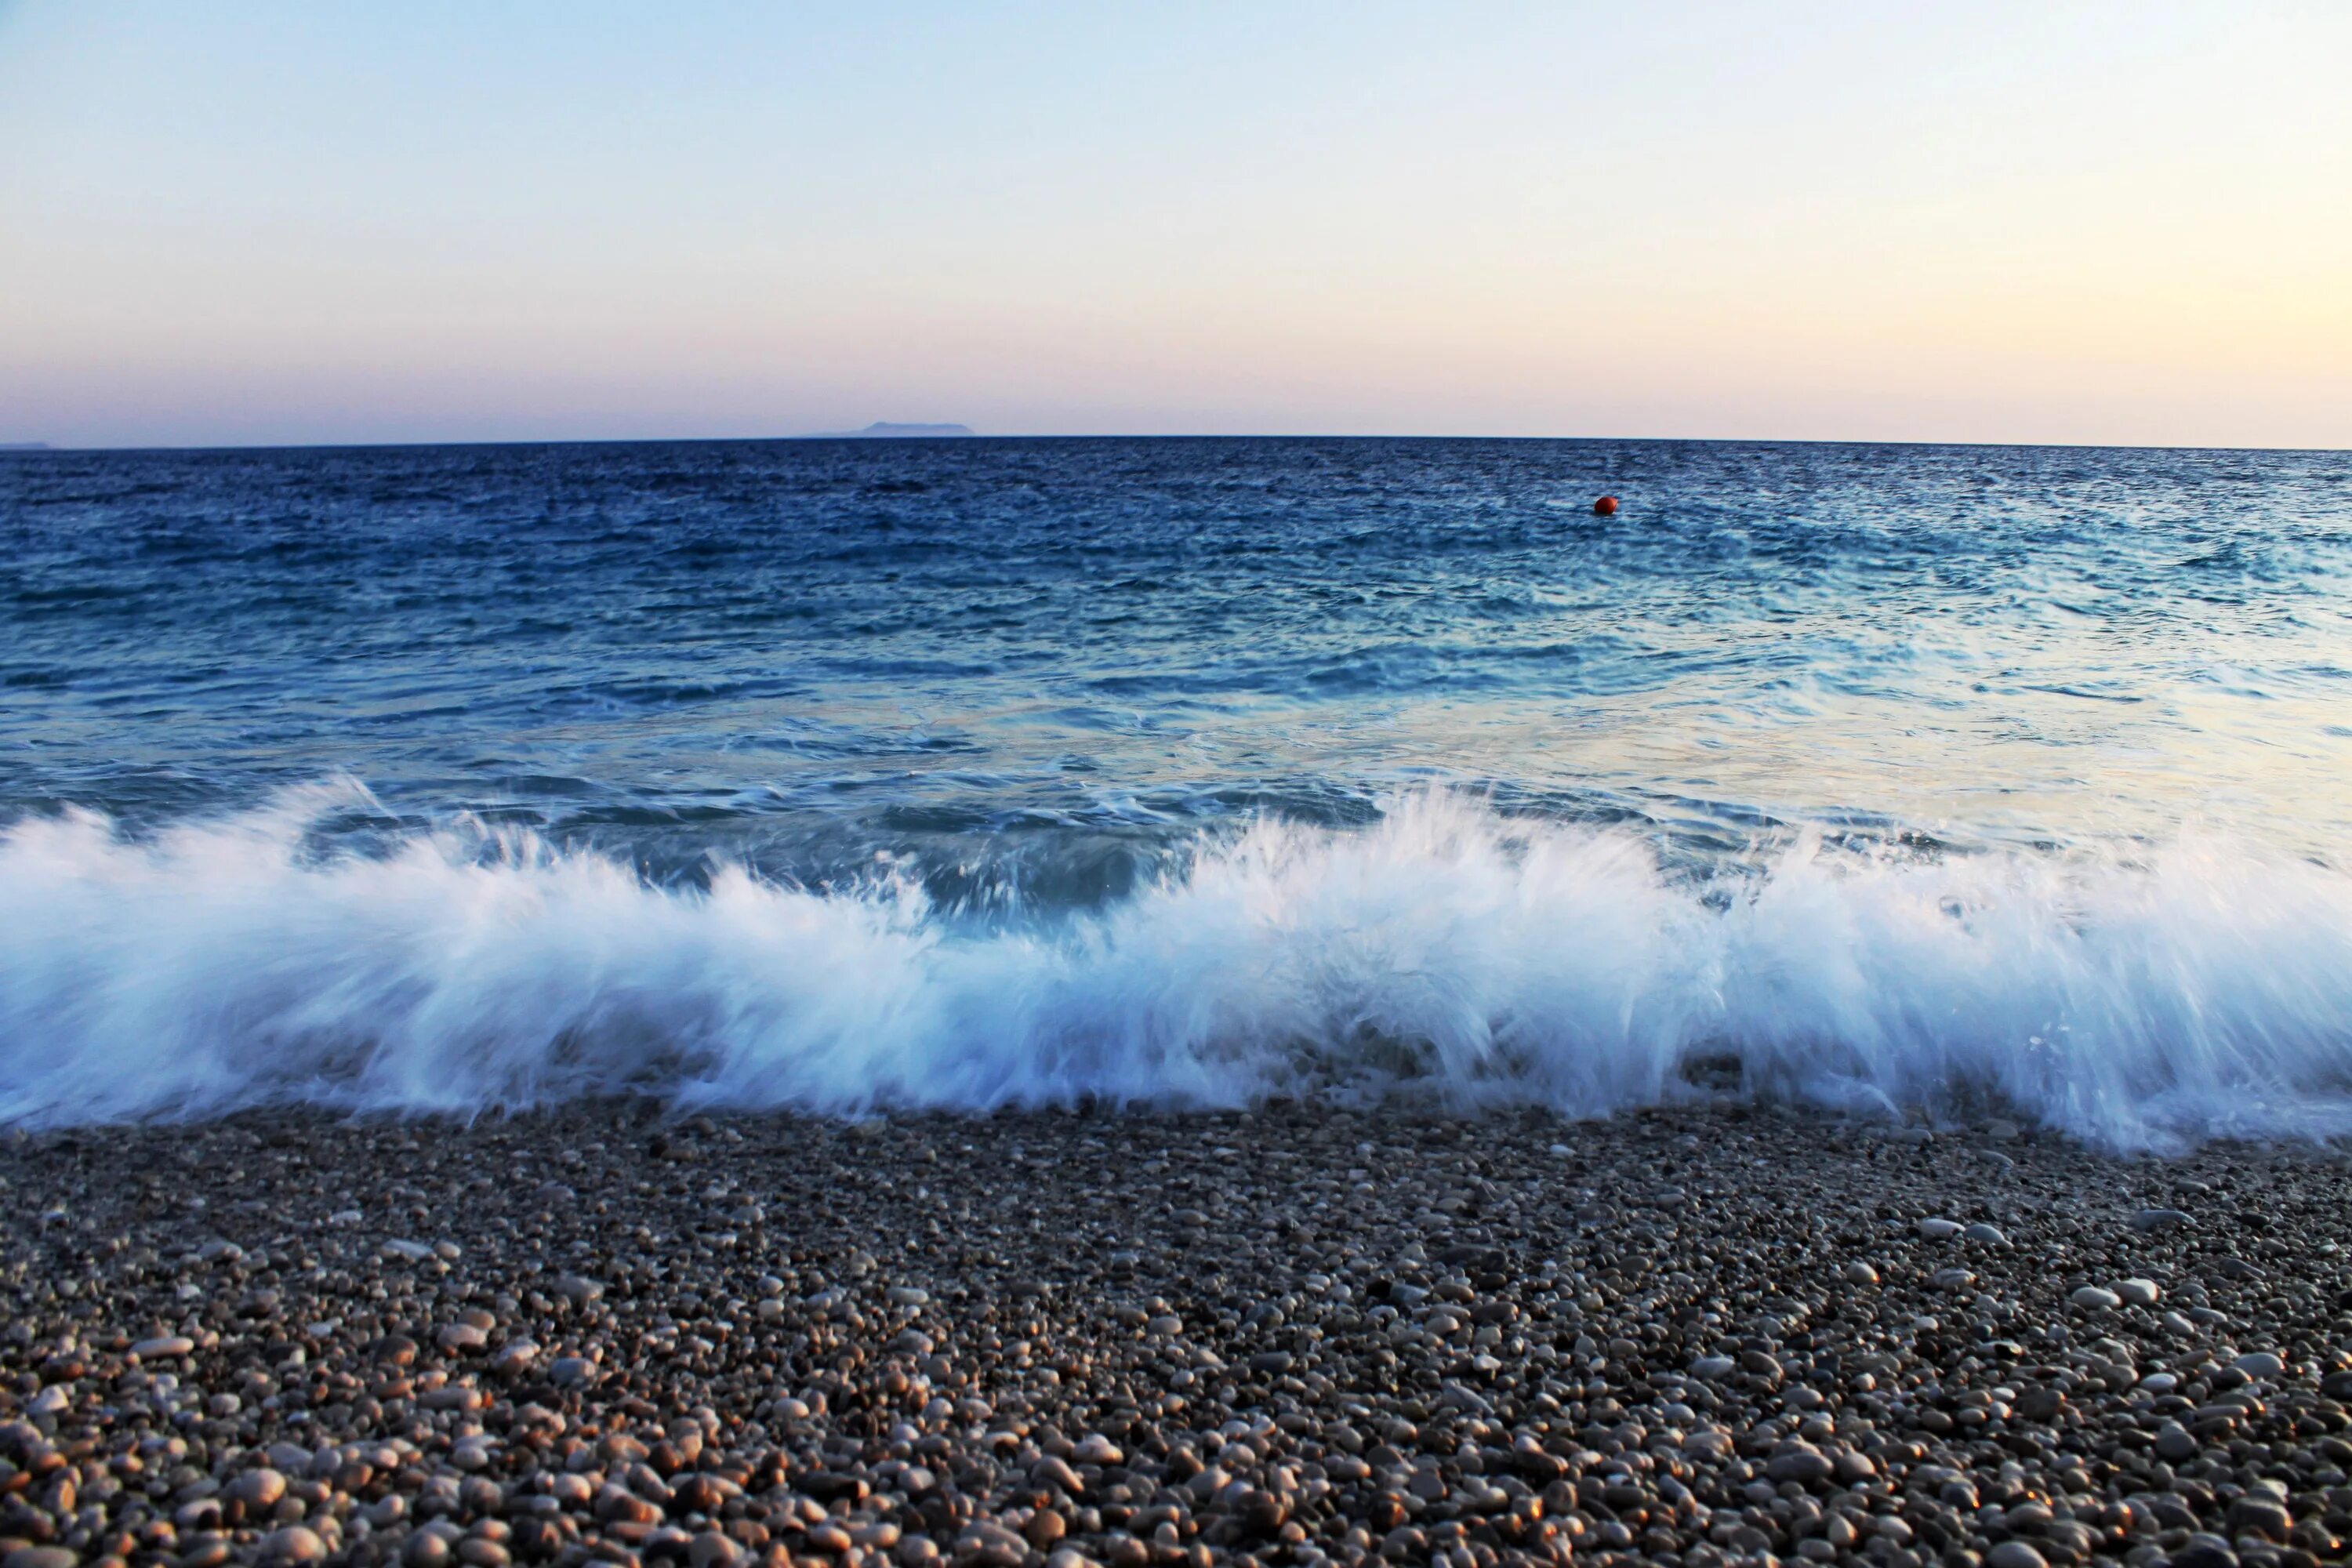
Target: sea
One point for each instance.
(856, 778)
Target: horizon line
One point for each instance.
(44, 448)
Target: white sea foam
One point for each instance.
(2199, 990)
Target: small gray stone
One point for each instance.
(2259, 1515)
(259, 1490)
(579, 1289)
(463, 1339)
(2015, 1554)
(1801, 1463)
(295, 1543)
(40, 1557)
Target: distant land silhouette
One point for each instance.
(43, 445)
(882, 429)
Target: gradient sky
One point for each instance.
(263, 222)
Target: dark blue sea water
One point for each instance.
(855, 774)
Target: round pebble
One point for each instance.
(1328, 1336)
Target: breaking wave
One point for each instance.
(2137, 998)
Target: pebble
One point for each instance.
(1308, 1335)
(40, 1557)
(464, 1338)
(295, 1543)
(1800, 1462)
(2160, 1220)
(256, 1489)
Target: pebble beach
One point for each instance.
(1295, 1335)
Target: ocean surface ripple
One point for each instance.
(960, 774)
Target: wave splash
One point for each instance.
(2196, 991)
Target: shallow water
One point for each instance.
(838, 774)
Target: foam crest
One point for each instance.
(2198, 990)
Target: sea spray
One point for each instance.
(2140, 997)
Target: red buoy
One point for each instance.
(1606, 507)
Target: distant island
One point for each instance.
(43, 445)
(882, 429)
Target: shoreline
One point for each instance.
(1298, 1333)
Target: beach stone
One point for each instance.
(2260, 1363)
(2015, 1554)
(164, 1346)
(2255, 1514)
(295, 1543)
(257, 1490)
(2137, 1292)
(40, 1557)
(2159, 1220)
(2203, 1550)
(1800, 1462)
(1939, 1229)
(2095, 1298)
(1050, 1471)
(1414, 1333)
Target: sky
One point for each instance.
(262, 222)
